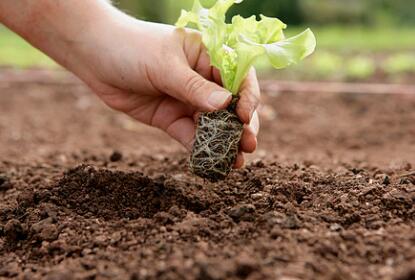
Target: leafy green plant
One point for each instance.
(360, 67)
(401, 63)
(326, 64)
(233, 48)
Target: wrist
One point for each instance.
(58, 28)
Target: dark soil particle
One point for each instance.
(329, 195)
(115, 156)
(13, 230)
(4, 183)
(242, 212)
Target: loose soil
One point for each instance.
(86, 193)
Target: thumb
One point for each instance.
(191, 88)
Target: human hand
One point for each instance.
(161, 76)
(155, 73)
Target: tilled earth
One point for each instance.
(86, 193)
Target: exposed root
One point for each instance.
(216, 145)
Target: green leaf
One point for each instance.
(207, 4)
(233, 48)
(187, 18)
(291, 51)
(245, 59)
(270, 30)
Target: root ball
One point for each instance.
(216, 145)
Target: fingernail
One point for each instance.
(251, 114)
(255, 128)
(218, 99)
(254, 124)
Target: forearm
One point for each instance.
(59, 28)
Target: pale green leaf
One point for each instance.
(233, 48)
(290, 51)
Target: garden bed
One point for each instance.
(86, 193)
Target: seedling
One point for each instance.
(233, 48)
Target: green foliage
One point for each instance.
(400, 64)
(325, 64)
(297, 12)
(335, 11)
(287, 10)
(362, 38)
(14, 51)
(360, 67)
(395, 11)
(208, 4)
(234, 47)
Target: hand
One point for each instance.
(155, 73)
(161, 76)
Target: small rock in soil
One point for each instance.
(258, 163)
(25, 199)
(14, 230)
(116, 156)
(291, 221)
(10, 270)
(356, 170)
(335, 227)
(257, 195)
(45, 230)
(386, 180)
(4, 183)
(245, 265)
(48, 211)
(49, 233)
(244, 212)
(350, 219)
(164, 218)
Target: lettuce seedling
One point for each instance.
(233, 48)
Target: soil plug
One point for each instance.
(216, 144)
(233, 48)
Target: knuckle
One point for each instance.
(193, 86)
(250, 99)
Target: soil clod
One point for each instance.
(291, 221)
(116, 156)
(14, 230)
(4, 183)
(45, 230)
(243, 212)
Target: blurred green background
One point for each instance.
(371, 40)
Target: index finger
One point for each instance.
(249, 97)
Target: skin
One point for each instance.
(155, 73)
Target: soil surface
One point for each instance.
(87, 193)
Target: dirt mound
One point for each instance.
(265, 215)
(115, 194)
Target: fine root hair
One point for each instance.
(216, 145)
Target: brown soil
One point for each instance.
(86, 193)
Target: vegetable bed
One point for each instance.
(86, 193)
